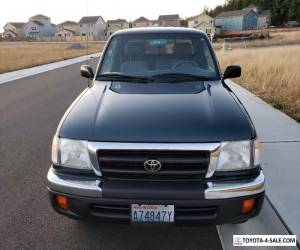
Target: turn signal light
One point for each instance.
(248, 206)
(62, 201)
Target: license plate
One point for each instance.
(152, 213)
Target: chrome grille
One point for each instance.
(176, 164)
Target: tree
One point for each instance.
(298, 11)
(205, 10)
(292, 14)
(280, 11)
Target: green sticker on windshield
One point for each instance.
(157, 42)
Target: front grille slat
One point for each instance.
(138, 159)
(120, 171)
(176, 164)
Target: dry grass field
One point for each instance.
(270, 73)
(19, 56)
(275, 39)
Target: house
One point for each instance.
(39, 26)
(154, 23)
(69, 25)
(264, 19)
(13, 29)
(142, 22)
(64, 34)
(244, 19)
(67, 29)
(203, 22)
(263, 16)
(169, 20)
(115, 25)
(93, 26)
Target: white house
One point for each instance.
(13, 29)
(70, 25)
(94, 26)
(169, 20)
(142, 22)
(264, 19)
(39, 26)
(115, 25)
(67, 29)
(203, 22)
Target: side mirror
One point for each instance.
(87, 71)
(232, 71)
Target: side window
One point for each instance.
(108, 60)
(208, 56)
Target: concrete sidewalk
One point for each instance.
(280, 140)
(19, 74)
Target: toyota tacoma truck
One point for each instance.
(157, 137)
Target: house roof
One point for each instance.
(16, 24)
(89, 19)
(38, 23)
(234, 13)
(116, 21)
(72, 31)
(202, 14)
(10, 31)
(68, 23)
(39, 16)
(168, 17)
(141, 20)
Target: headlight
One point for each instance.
(235, 156)
(70, 153)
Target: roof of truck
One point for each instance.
(150, 30)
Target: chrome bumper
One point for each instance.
(220, 190)
(87, 188)
(235, 189)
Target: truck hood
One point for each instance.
(178, 112)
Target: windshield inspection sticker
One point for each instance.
(157, 42)
(264, 240)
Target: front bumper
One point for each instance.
(221, 203)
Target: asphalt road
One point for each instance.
(30, 110)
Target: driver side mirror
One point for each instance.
(87, 71)
(232, 71)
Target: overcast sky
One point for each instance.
(62, 10)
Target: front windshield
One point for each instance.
(149, 55)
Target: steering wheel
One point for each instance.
(178, 64)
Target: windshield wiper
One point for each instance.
(122, 77)
(180, 77)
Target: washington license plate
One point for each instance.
(152, 213)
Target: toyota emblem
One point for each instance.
(152, 166)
